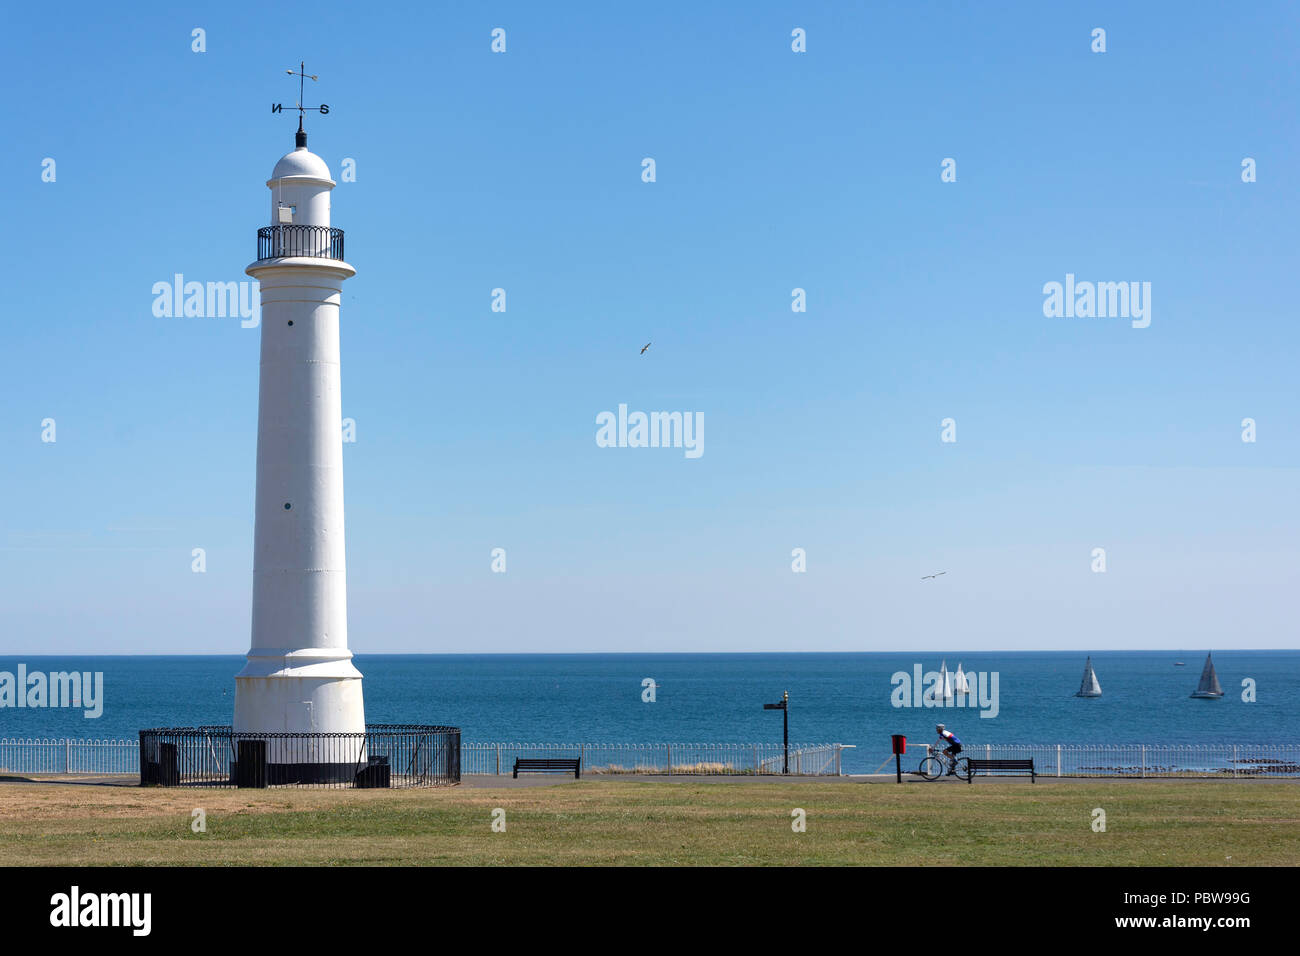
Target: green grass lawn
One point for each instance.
(628, 822)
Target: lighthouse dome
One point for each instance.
(300, 190)
(301, 163)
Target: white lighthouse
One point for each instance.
(299, 677)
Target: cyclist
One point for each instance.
(953, 748)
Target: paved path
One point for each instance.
(491, 781)
(506, 782)
(1044, 778)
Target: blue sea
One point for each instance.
(834, 698)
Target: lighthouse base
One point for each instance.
(309, 703)
(309, 691)
(252, 770)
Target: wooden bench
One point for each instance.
(548, 765)
(1021, 767)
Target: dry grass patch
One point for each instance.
(681, 822)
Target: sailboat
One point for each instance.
(961, 683)
(1209, 687)
(945, 681)
(1089, 687)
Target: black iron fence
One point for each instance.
(385, 756)
(321, 242)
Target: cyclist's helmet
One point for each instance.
(938, 728)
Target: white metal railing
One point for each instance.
(1150, 760)
(822, 760)
(664, 758)
(64, 755)
(44, 755)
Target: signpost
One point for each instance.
(784, 708)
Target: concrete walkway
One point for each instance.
(506, 781)
(981, 780)
(492, 781)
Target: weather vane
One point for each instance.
(303, 77)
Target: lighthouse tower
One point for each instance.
(299, 677)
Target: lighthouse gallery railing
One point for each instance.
(319, 242)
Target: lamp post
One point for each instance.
(784, 708)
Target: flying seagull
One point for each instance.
(926, 577)
(644, 347)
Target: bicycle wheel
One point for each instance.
(931, 768)
(963, 767)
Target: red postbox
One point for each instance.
(900, 748)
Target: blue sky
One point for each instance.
(775, 170)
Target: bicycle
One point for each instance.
(937, 763)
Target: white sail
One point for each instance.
(945, 681)
(1209, 685)
(961, 683)
(1089, 687)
